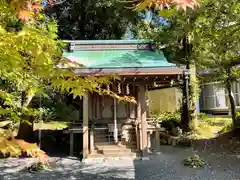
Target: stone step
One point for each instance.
(115, 149)
(100, 131)
(122, 149)
(104, 157)
(119, 152)
(113, 145)
(113, 152)
(109, 146)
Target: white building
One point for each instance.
(214, 98)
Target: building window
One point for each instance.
(213, 96)
(236, 92)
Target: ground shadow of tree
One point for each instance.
(68, 169)
(167, 165)
(225, 142)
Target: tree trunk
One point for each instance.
(231, 99)
(193, 96)
(190, 65)
(25, 130)
(189, 113)
(185, 118)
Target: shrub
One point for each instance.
(202, 116)
(37, 167)
(11, 147)
(66, 112)
(169, 120)
(47, 114)
(194, 162)
(167, 116)
(228, 127)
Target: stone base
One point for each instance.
(145, 158)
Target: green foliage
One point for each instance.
(207, 38)
(194, 162)
(47, 114)
(55, 106)
(238, 114)
(168, 120)
(218, 44)
(30, 55)
(226, 128)
(92, 20)
(167, 116)
(218, 38)
(238, 120)
(177, 41)
(66, 112)
(202, 116)
(39, 166)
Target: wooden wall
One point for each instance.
(164, 100)
(101, 110)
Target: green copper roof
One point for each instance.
(118, 58)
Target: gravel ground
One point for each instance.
(165, 166)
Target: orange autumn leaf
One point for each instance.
(17, 147)
(159, 4)
(32, 150)
(36, 7)
(25, 9)
(185, 3)
(25, 15)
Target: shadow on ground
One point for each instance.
(165, 166)
(227, 142)
(67, 168)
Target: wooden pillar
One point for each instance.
(143, 104)
(85, 125)
(115, 133)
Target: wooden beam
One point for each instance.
(131, 71)
(85, 125)
(162, 87)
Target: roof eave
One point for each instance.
(129, 71)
